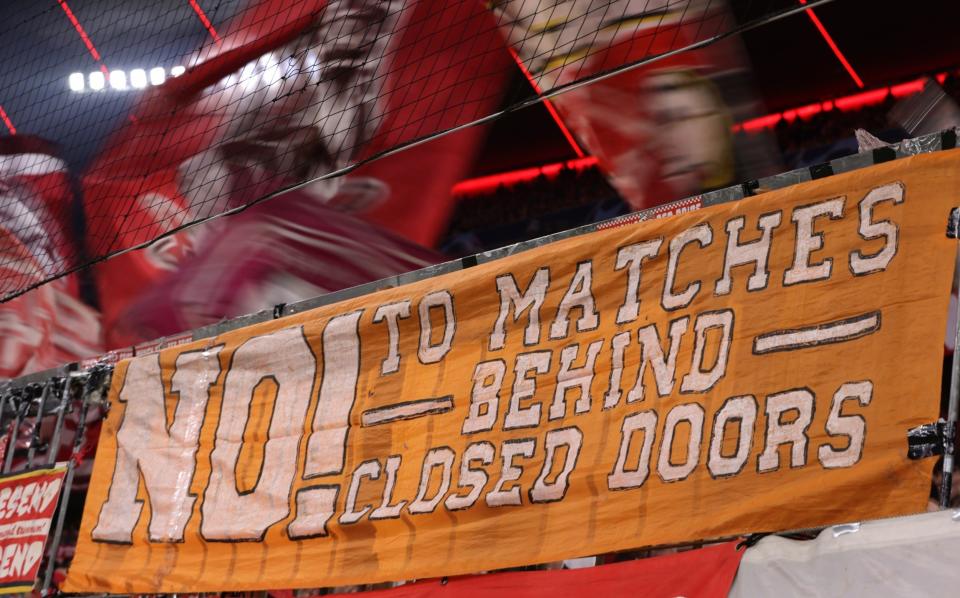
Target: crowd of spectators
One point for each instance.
(544, 205)
(828, 134)
(827, 127)
(527, 210)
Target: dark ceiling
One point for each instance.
(885, 42)
(792, 64)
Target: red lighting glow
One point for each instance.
(83, 36)
(909, 88)
(486, 184)
(860, 100)
(7, 121)
(806, 112)
(764, 122)
(206, 22)
(833, 46)
(845, 104)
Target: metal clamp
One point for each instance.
(846, 528)
(953, 224)
(930, 440)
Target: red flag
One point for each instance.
(48, 326)
(291, 249)
(660, 132)
(296, 90)
(703, 573)
(25, 525)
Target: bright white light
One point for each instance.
(248, 76)
(138, 78)
(76, 81)
(157, 75)
(272, 74)
(118, 80)
(96, 80)
(122, 80)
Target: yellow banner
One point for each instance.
(752, 366)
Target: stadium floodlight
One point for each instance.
(76, 81)
(248, 76)
(96, 80)
(121, 80)
(118, 80)
(157, 76)
(138, 78)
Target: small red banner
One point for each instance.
(27, 503)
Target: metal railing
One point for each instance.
(34, 418)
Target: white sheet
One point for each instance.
(915, 557)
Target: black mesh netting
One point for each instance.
(162, 113)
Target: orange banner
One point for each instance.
(751, 366)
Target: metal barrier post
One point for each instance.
(19, 402)
(950, 428)
(38, 420)
(4, 400)
(95, 378)
(58, 426)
